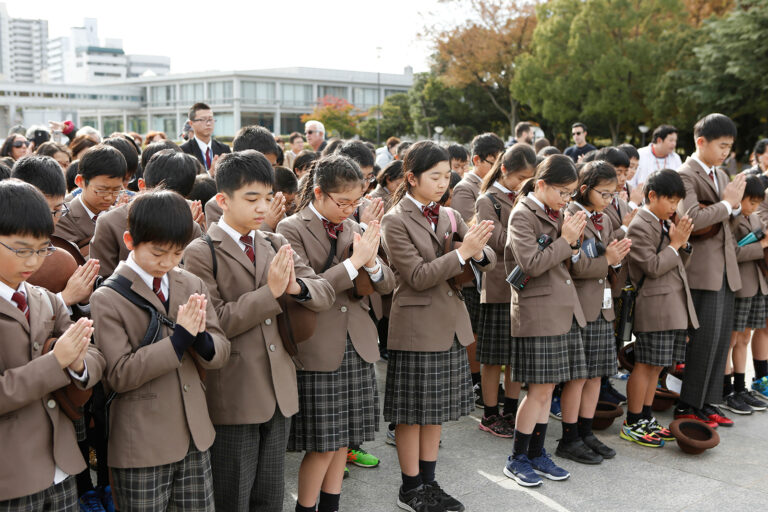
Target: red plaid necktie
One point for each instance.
(432, 213)
(597, 220)
(21, 303)
(553, 214)
(615, 203)
(248, 241)
(208, 158)
(332, 229)
(156, 287)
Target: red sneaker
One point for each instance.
(716, 415)
(689, 413)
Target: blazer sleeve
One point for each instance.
(701, 217)
(589, 268)
(749, 252)
(463, 201)
(489, 262)
(643, 253)
(105, 247)
(320, 290)
(25, 384)
(221, 344)
(522, 238)
(486, 211)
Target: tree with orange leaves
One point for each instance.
(337, 115)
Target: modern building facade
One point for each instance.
(23, 48)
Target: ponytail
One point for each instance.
(307, 192)
(554, 170)
(529, 186)
(518, 158)
(331, 173)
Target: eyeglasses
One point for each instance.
(205, 120)
(566, 194)
(64, 210)
(489, 162)
(20, 143)
(310, 132)
(28, 253)
(607, 195)
(346, 206)
(576, 134)
(108, 193)
(370, 178)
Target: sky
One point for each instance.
(230, 35)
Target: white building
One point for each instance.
(22, 48)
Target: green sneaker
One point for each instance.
(346, 472)
(362, 458)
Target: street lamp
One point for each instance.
(643, 129)
(439, 132)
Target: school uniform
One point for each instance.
(664, 307)
(714, 276)
(159, 427)
(78, 225)
(107, 244)
(493, 337)
(751, 308)
(428, 380)
(616, 213)
(590, 277)
(338, 399)
(251, 399)
(382, 192)
(38, 443)
(546, 316)
(213, 213)
(463, 200)
(379, 305)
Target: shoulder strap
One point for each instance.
(122, 286)
(496, 204)
(214, 263)
(452, 217)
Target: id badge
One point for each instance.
(607, 299)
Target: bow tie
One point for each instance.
(597, 220)
(332, 229)
(552, 214)
(432, 213)
(511, 195)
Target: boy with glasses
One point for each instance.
(203, 146)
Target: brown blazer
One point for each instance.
(107, 244)
(35, 434)
(715, 255)
(426, 313)
(465, 195)
(324, 351)
(260, 374)
(762, 212)
(161, 401)
(549, 302)
(495, 289)
(752, 279)
(76, 226)
(664, 299)
(616, 218)
(383, 193)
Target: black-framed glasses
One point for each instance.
(206, 120)
(566, 194)
(20, 143)
(309, 132)
(607, 195)
(28, 253)
(61, 212)
(488, 161)
(345, 206)
(108, 193)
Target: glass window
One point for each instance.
(112, 125)
(220, 92)
(364, 97)
(137, 124)
(256, 118)
(296, 94)
(390, 92)
(291, 123)
(258, 92)
(329, 90)
(163, 95)
(190, 93)
(225, 124)
(165, 124)
(88, 121)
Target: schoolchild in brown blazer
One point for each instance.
(546, 316)
(486, 149)
(428, 380)
(38, 440)
(663, 310)
(713, 270)
(388, 179)
(276, 213)
(751, 309)
(338, 400)
(100, 176)
(169, 169)
(159, 427)
(597, 188)
(252, 398)
(494, 342)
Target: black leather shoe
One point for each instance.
(578, 451)
(599, 447)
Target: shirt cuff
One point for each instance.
(83, 377)
(363, 225)
(461, 260)
(729, 207)
(575, 257)
(61, 298)
(203, 345)
(736, 211)
(351, 270)
(616, 267)
(632, 205)
(675, 250)
(624, 228)
(379, 274)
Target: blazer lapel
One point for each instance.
(501, 196)
(39, 313)
(230, 247)
(138, 286)
(539, 211)
(317, 230)
(262, 247)
(419, 217)
(176, 293)
(9, 309)
(345, 239)
(703, 174)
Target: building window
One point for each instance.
(189, 94)
(89, 121)
(335, 91)
(291, 123)
(225, 124)
(163, 95)
(165, 124)
(255, 118)
(220, 92)
(364, 97)
(137, 124)
(262, 93)
(390, 92)
(111, 125)
(296, 95)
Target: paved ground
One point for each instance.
(733, 476)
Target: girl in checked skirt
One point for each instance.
(498, 192)
(428, 379)
(597, 188)
(338, 400)
(546, 317)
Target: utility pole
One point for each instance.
(378, 92)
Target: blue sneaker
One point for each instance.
(761, 386)
(554, 409)
(519, 469)
(544, 466)
(106, 500)
(90, 502)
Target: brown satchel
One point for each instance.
(451, 242)
(70, 398)
(709, 231)
(362, 284)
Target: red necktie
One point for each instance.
(95, 217)
(156, 287)
(208, 158)
(597, 220)
(663, 226)
(711, 175)
(432, 213)
(332, 229)
(553, 214)
(248, 241)
(21, 303)
(512, 196)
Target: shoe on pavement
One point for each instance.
(716, 415)
(599, 447)
(418, 500)
(497, 426)
(479, 404)
(91, 502)
(736, 404)
(610, 394)
(519, 469)
(752, 401)
(555, 411)
(106, 499)
(691, 413)
(641, 434)
(663, 433)
(362, 458)
(346, 472)
(577, 451)
(544, 466)
(390, 439)
(448, 502)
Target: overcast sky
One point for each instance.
(236, 35)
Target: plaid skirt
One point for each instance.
(600, 348)
(494, 341)
(62, 496)
(472, 302)
(750, 312)
(338, 408)
(660, 348)
(548, 359)
(428, 388)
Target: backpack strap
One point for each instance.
(496, 204)
(214, 263)
(452, 218)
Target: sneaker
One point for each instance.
(448, 502)
(609, 394)
(497, 426)
(759, 396)
(761, 386)
(346, 472)
(663, 433)
(478, 396)
(390, 439)
(554, 409)
(716, 415)
(755, 403)
(544, 466)
(91, 502)
(577, 451)
(418, 500)
(641, 434)
(362, 458)
(691, 413)
(510, 419)
(502, 395)
(599, 447)
(519, 469)
(106, 499)
(736, 404)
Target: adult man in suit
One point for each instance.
(203, 146)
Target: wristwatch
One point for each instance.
(577, 245)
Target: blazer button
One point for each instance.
(450, 294)
(567, 281)
(36, 346)
(268, 321)
(51, 403)
(271, 348)
(186, 387)
(343, 309)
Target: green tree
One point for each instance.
(337, 115)
(395, 118)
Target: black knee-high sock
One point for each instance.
(536, 445)
(328, 502)
(761, 368)
(521, 443)
(647, 412)
(585, 426)
(510, 406)
(570, 432)
(427, 470)
(476, 378)
(490, 410)
(739, 383)
(411, 482)
(727, 386)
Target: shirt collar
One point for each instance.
(203, 146)
(589, 213)
(535, 200)
(501, 187)
(706, 168)
(7, 292)
(649, 211)
(145, 276)
(233, 233)
(89, 212)
(319, 215)
(417, 203)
